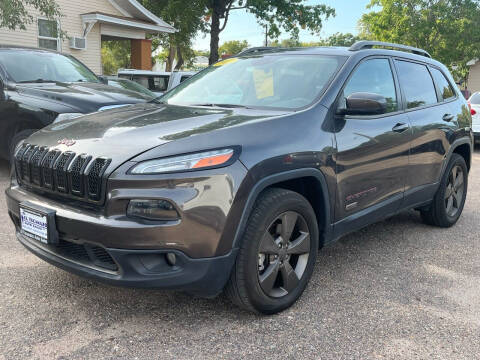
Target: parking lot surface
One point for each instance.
(398, 289)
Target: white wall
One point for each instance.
(474, 78)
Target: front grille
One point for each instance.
(95, 175)
(63, 173)
(85, 254)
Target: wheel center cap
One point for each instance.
(283, 254)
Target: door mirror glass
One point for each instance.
(364, 104)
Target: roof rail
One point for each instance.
(361, 45)
(255, 50)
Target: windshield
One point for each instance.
(131, 85)
(39, 66)
(279, 81)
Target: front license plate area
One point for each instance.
(38, 223)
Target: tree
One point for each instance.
(14, 14)
(115, 55)
(187, 18)
(289, 15)
(233, 47)
(340, 39)
(448, 29)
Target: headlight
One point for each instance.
(188, 162)
(67, 116)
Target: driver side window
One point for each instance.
(374, 76)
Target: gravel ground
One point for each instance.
(397, 289)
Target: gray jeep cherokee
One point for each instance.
(233, 180)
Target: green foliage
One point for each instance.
(448, 29)
(340, 39)
(233, 47)
(287, 15)
(187, 18)
(14, 13)
(337, 39)
(115, 55)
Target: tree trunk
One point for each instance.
(180, 60)
(170, 58)
(214, 35)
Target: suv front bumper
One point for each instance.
(146, 268)
(105, 244)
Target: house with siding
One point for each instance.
(86, 24)
(474, 76)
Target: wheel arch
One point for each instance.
(463, 147)
(309, 183)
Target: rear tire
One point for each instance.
(448, 203)
(271, 273)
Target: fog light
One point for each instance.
(171, 259)
(156, 210)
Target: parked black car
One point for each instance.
(38, 87)
(234, 179)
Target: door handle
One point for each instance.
(448, 117)
(400, 127)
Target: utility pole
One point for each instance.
(266, 35)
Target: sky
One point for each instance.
(243, 26)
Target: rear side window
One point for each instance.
(152, 83)
(184, 77)
(446, 90)
(475, 99)
(417, 84)
(374, 76)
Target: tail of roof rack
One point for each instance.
(361, 45)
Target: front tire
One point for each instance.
(448, 203)
(277, 254)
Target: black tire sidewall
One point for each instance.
(259, 300)
(441, 211)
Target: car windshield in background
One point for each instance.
(270, 81)
(475, 99)
(131, 85)
(25, 66)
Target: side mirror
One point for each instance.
(103, 79)
(362, 103)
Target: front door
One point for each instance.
(372, 151)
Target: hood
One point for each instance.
(123, 133)
(85, 97)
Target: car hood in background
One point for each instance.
(123, 133)
(86, 97)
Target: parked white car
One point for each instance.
(155, 81)
(474, 102)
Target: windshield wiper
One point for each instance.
(38, 81)
(222, 105)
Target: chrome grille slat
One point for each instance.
(62, 173)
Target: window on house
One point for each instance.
(48, 34)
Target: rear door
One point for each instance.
(372, 151)
(432, 120)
